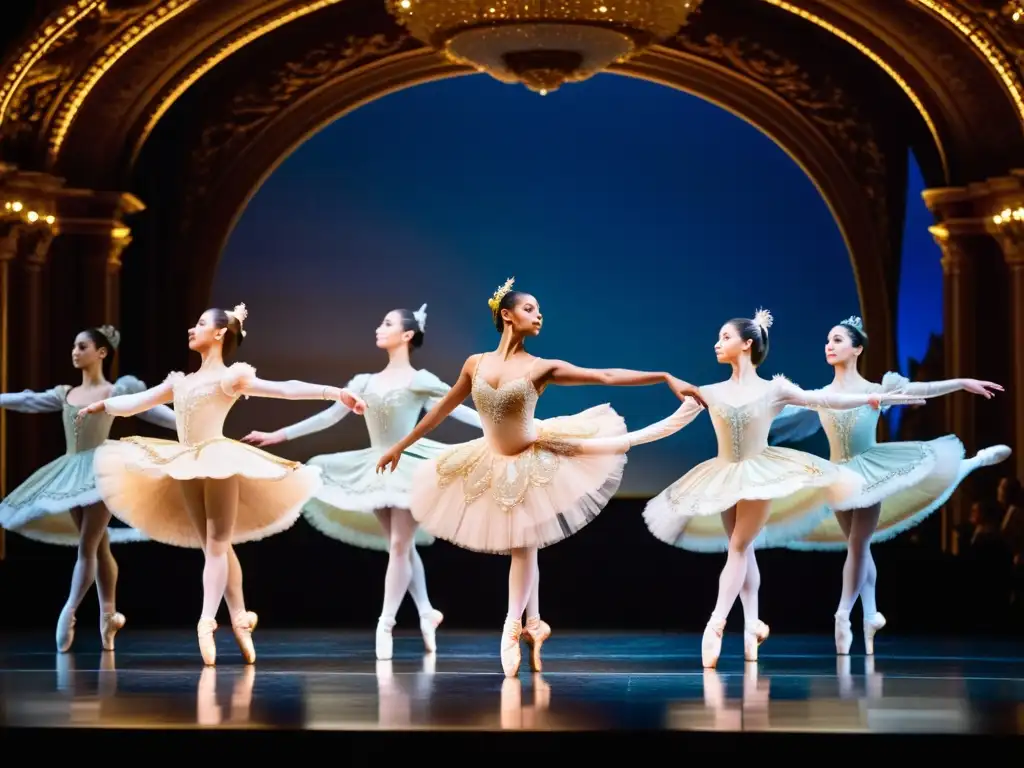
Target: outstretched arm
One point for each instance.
(241, 379)
(894, 382)
(566, 374)
(33, 402)
(791, 394)
(130, 405)
(461, 412)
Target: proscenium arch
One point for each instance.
(225, 203)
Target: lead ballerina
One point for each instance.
(528, 483)
(750, 491)
(904, 481)
(204, 490)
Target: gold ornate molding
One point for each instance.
(973, 29)
(241, 39)
(263, 100)
(106, 59)
(880, 62)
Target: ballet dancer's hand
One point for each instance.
(390, 458)
(353, 402)
(263, 439)
(982, 388)
(684, 390)
(97, 407)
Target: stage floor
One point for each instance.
(330, 681)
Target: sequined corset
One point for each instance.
(94, 429)
(850, 432)
(391, 415)
(742, 431)
(200, 408)
(506, 413)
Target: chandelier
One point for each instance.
(541, 43)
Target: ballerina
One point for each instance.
(204, 490)
(358, 506)
(59, 502)
(904, 481)
(528, 483)
(751, 491)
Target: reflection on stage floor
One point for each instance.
(320, 680)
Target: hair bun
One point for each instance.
(111, 334)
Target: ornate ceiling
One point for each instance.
(189, 104)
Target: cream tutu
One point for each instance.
(481, 500)
(140, 478)
(528, 483)
(40, 508)
(688, 514)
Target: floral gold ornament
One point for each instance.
(541, 44)
(495, 301)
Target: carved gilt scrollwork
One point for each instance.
(823, 102)
(51, 76)
(265, 98)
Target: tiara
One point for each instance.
(421, 317)
(495, 301)
(854, 322)
(111, 334)
(763, 319)
(240, 313)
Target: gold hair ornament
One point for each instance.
(495, 301)
(111, 334)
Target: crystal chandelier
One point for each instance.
(541, 43)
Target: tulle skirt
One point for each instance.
(344, 507)
(484, 501)
(40, 508)
(141, 481)
(909, 479)
(688, 514)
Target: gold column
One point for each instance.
(1008, 229)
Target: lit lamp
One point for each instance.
(1010, 220)
(541, 44)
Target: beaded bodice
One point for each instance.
(90, 433)
(506, 412)
(849, 432)
(741, 430)
(200, 406)
(392, 414)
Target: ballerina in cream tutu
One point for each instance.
(59, 502)
(527, 483)
(904, 482)
(204, 490)
(751, 491)
(359, 506)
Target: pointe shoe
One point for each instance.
(207, 645)
(994, 454)
(110, 624)
(844, 633)
(511, 654)
(65, 631)
(871, 626)
(385, 644)
(754, 633)
(243, 629)
(429, 622)
(535, 633)
(711, 643)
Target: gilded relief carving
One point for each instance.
(49, 79)
(821, 101)
(259, 102)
